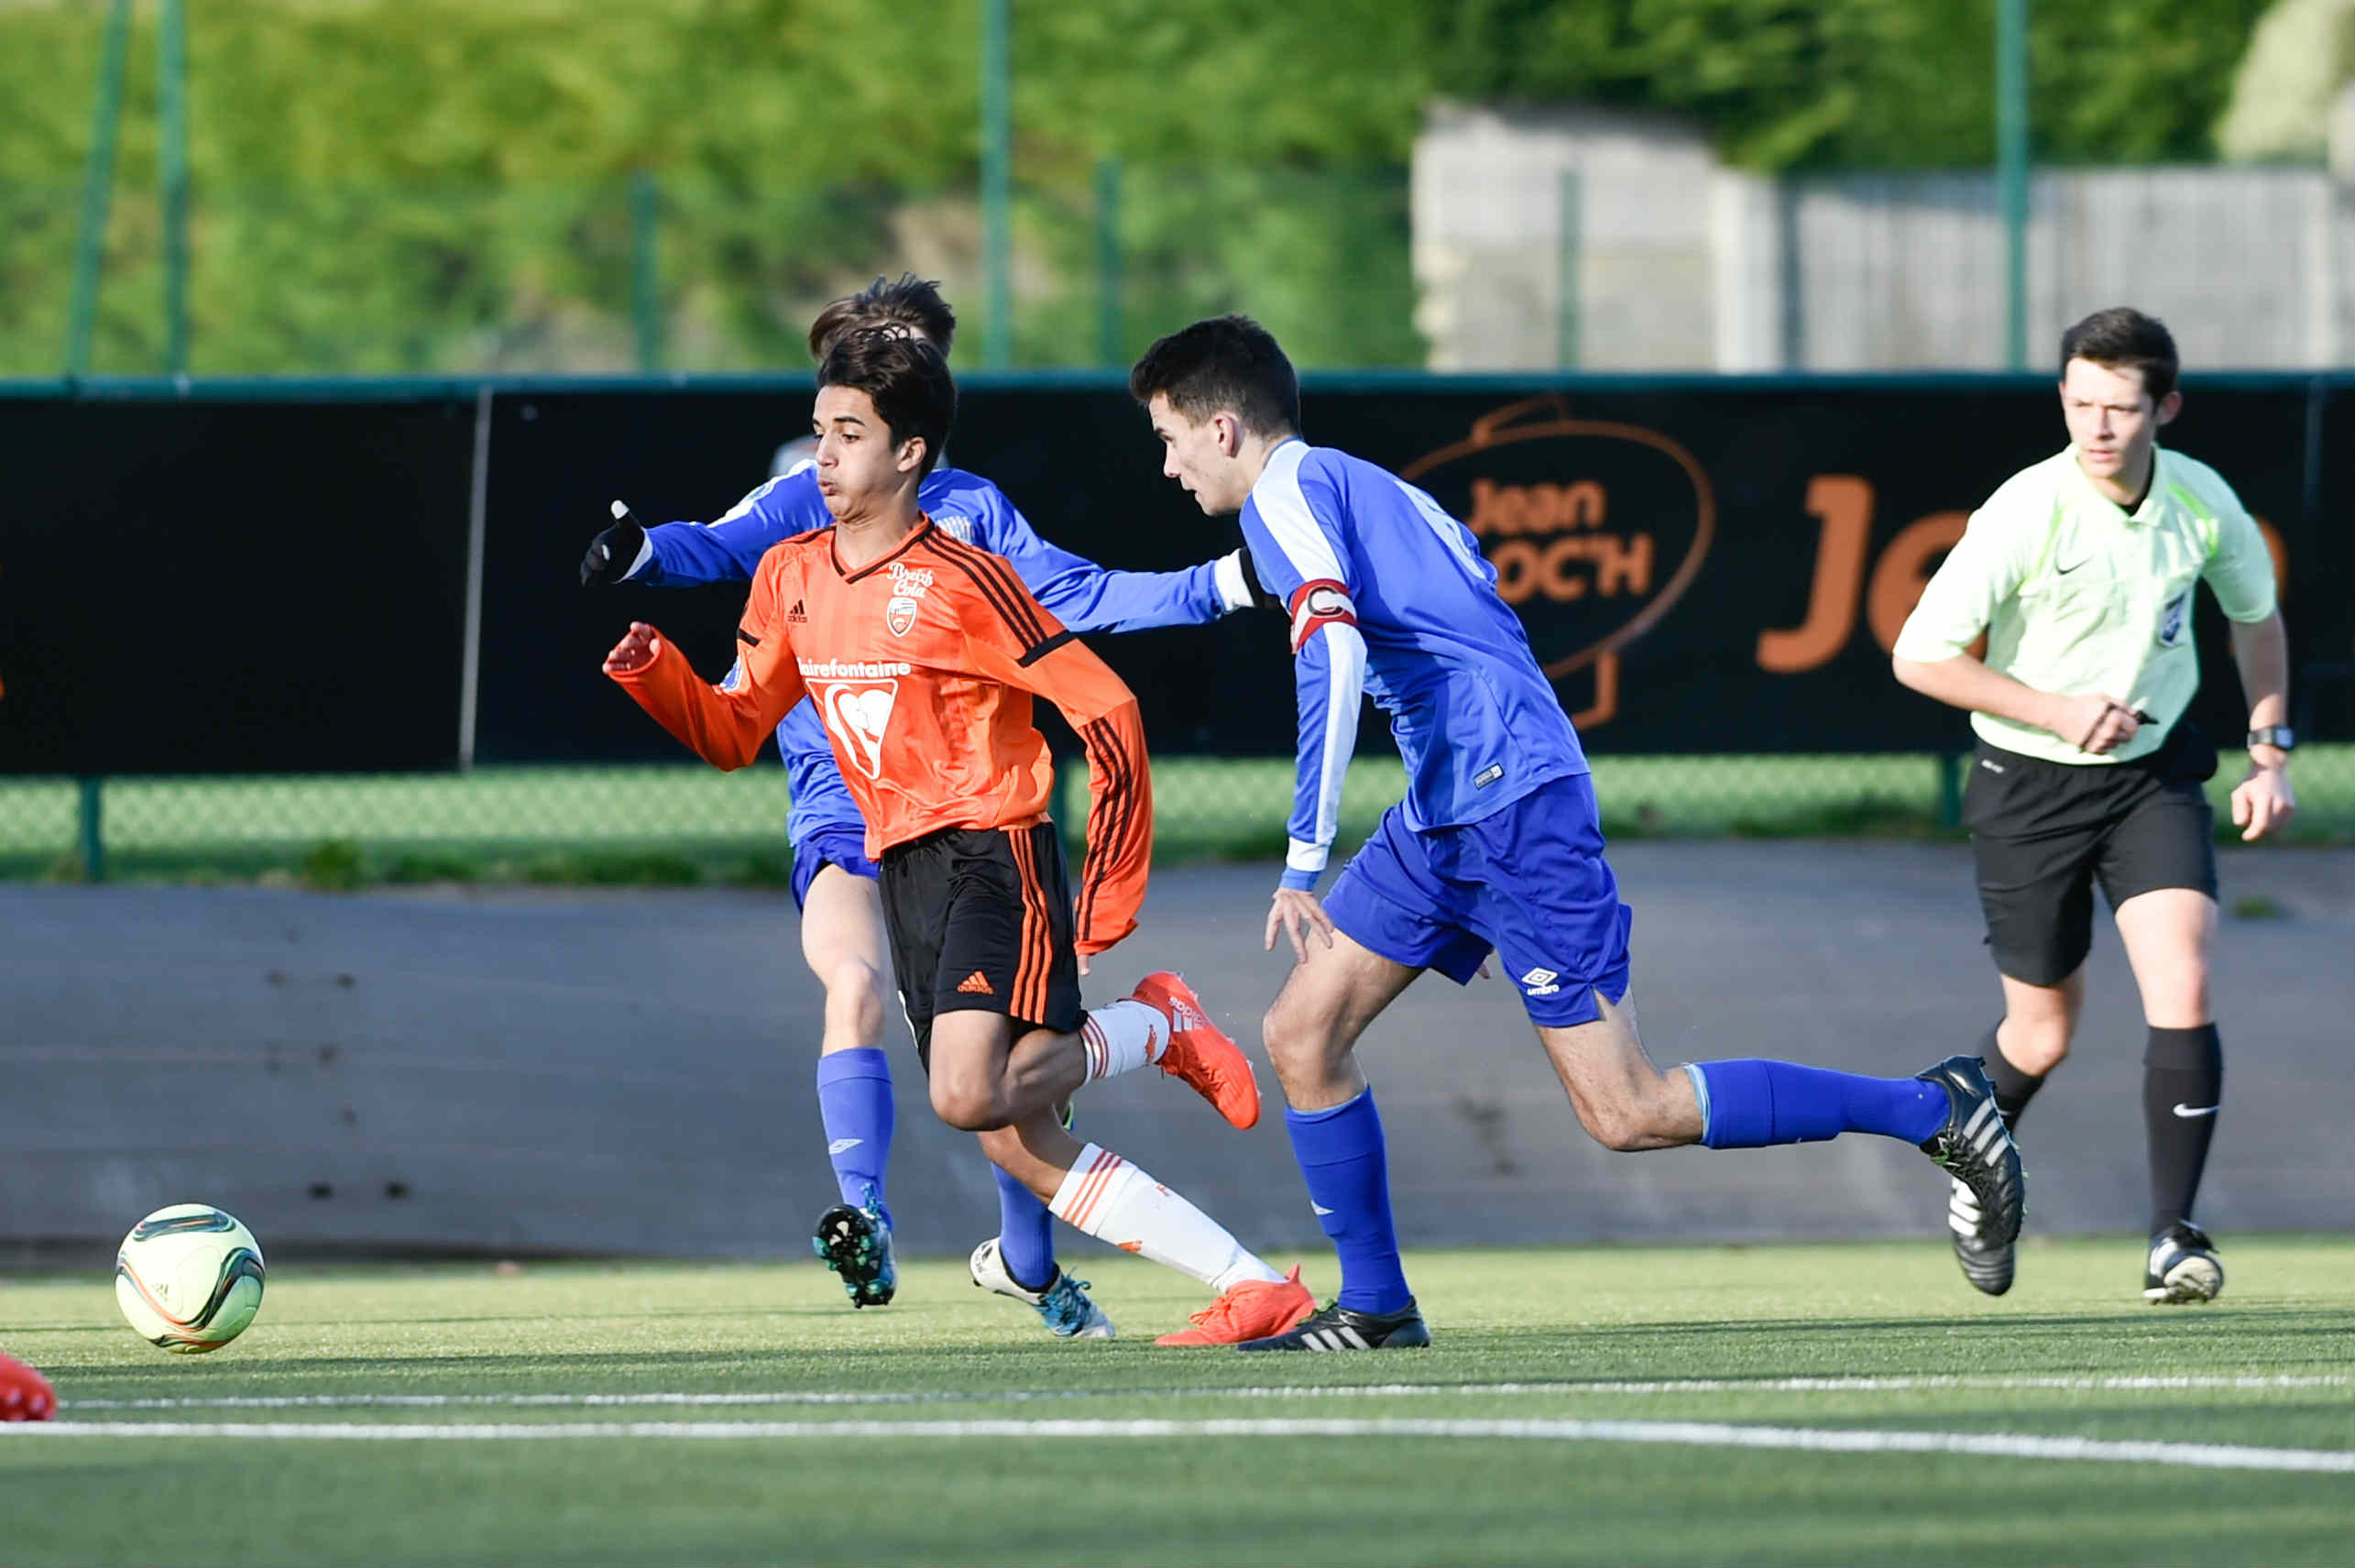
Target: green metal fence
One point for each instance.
(687, 823)
(660, 271)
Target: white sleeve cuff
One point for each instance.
(1301, 856)
(1230, 577)
(645, 554)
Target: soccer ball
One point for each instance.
(188, 1278)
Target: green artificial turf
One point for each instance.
(1841, 1342)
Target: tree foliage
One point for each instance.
(441, 184)
(1867, 83)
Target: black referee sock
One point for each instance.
(2013, 1087)
(2183, 1084)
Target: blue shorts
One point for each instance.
(1529, 881)
(844, 846)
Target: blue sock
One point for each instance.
(1025, 1234)
(854, 1100)
(1348, 1172)
(1751, 1104)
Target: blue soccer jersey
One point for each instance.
(1083, 595)
(1390, 597)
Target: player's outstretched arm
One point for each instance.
(1087, 597)
(726, 549)
(725, 724)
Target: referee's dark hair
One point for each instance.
(906, 377)
(2123, 338)
(907, 301)
(1225, 362)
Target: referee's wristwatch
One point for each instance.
(2279, 736)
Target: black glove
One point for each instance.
(612, 552)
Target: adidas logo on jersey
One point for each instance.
(976, 985)
(797, 615)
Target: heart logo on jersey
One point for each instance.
(857, 712)
(899, 615)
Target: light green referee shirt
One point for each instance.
(2077, 595)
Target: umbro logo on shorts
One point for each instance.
(976, 985)
(1541, 981)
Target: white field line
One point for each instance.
(1699, 1434)
(2086, 1384)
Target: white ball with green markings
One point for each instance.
(188, 1278)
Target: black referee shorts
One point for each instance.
(2043, 833)
(981, 921)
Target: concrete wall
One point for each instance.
(579, 1071)
(1582, 239)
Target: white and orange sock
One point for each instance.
(1121, 1037)
(1114, 1201)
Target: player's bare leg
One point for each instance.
(1311, 1029)
(843, 942)
(1627, 1104)
(2168, 933)
(1622, 1100)
(988, 1073)
(2040, 1023)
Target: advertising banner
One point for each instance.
(233, 586)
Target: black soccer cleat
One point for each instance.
(1988, 1267)
(857, 1245)
(1976, 1148)
(2183, 1268)
(1338, 1328)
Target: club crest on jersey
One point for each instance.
(2173, 619)
(900, 615)
(857, 713)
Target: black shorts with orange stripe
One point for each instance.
(981, 921)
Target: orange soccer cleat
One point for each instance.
(1201, 1053)
(25, 1394)
(1252, 1310)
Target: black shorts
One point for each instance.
(2044, 832)
(981, 921)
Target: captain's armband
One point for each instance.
(1321, 603)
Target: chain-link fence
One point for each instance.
(689, 823)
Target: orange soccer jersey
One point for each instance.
(923, 666)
